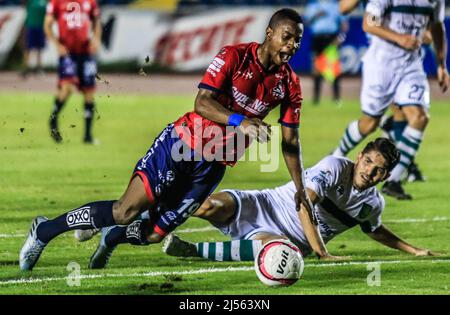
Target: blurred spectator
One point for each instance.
(326, 24)
(34, 35)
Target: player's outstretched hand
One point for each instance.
(329, 257)
(443, 78)
(420, 252)
(409, 42)
(255, 128)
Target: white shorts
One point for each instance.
(381, 87)
(257, 213)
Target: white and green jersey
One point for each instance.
(341, 206)
(405, 17)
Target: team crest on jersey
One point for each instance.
(323, 178)
(278, 91)
(248, 75)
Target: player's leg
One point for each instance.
(408, 144)
(413, 97)
(66, 79)
(89, 109)
(87, 69)
(92, 215)
(393, 128)
(377, 92)
(234, 250)
(247, 221)
(145, 231)
(355, 133)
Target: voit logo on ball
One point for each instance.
(79, 216)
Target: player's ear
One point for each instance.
(269, 32)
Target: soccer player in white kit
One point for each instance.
(393, 73)
(343, 193)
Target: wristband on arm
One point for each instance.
(235, 119)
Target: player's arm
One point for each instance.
(97, 34)
(440, 48)
(207, 106)
(347, 6)
(372, 25)
(312, 230)
(48, 29)
(291, 148)
(389, 239)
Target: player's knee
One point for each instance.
(419, 121)
(124, 213)
(206, 209)
(368, 125)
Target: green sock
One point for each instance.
(238, 250)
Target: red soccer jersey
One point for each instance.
(244, 87)
(74, 22)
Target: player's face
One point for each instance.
(284, 41)
(370, 169)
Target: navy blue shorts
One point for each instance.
(79, 70)
(35, 38)
(176, 187)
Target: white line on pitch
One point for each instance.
(206, 270)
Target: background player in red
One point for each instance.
(240, 87)
(76, 50)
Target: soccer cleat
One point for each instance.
(414, 173)
(85, 235)
(175, 246)
(32, 248)
(395, 189)
(103, 253)
(54, 133)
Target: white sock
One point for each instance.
(351, 138)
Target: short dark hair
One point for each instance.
(285, 14)
(387, 149)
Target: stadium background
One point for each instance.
(152, 57)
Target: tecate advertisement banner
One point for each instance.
(190, 43)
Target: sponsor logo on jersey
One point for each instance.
(215, 66)
(81, 216)
(256, 107)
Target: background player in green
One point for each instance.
(34, 35)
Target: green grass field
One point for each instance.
(39, 177)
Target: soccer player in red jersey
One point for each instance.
(241, 85)
(76, 51)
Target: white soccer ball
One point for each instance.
(279, 262)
